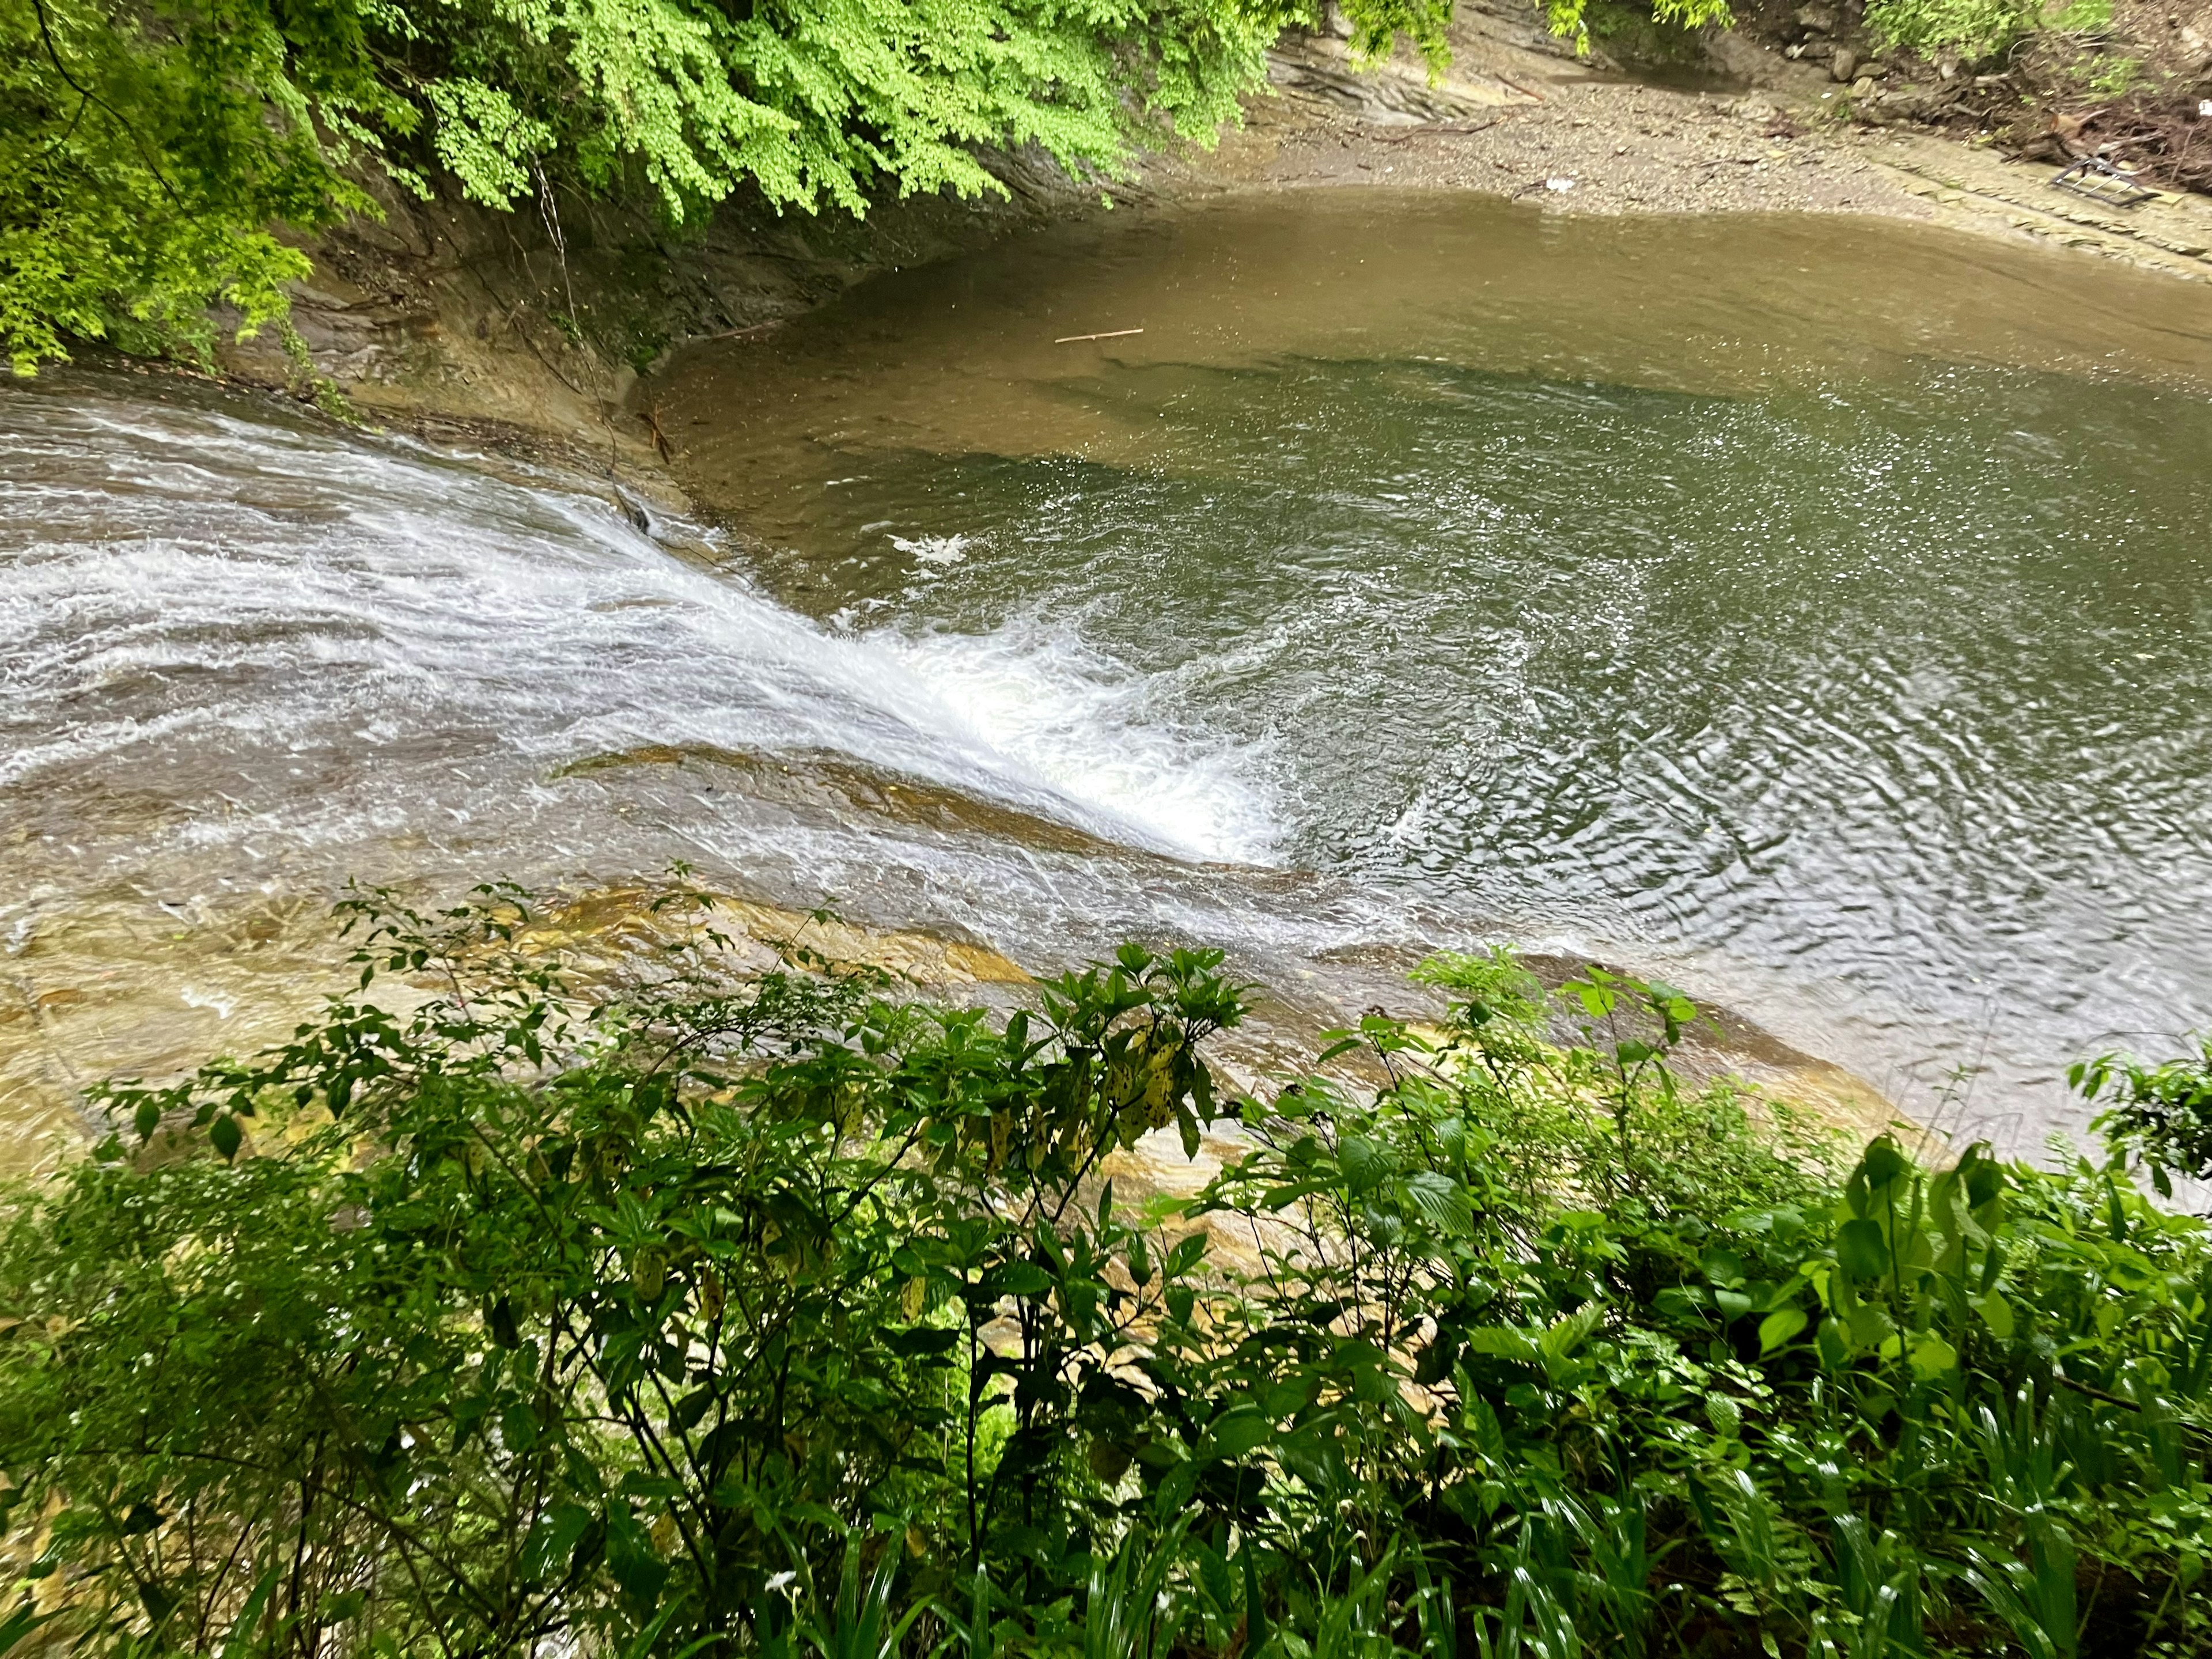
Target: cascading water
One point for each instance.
(250, 658)
(1811, 610)
(330, 639)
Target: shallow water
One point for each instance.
(1812, 609)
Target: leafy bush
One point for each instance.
(2163, 1111)
(639, 1308)
(150, 155)
(1976, 29)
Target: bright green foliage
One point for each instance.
(649, 1310)
(1979, 29)
(1378, 25)
(145, 156)
(151, 154)
(2162, 1111)
(162, 156)
(1569, 18)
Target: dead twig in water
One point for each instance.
(750, 331)
(1456, 130)
(1110, 334)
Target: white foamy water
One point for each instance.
(1074, 716)
(223, 612)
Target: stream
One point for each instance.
(1811, 610)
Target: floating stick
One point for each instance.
(1112, 334)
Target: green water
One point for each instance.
(1820, 610)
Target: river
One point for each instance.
(1810, 610)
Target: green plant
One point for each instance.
(610, 1300)
(2162, 1112)
(2112, 77)
(1979, 29)
(152, 157)
(1975, 28)
(863, 1623)
(1571, 19)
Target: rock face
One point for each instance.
(445, 312)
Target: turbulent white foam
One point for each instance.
(1092, 730)
(935, 549)
(182, 576)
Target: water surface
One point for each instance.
(1809, 609)
(1814, 609)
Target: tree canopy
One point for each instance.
(158, 156)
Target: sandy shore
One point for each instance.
(1517, 118)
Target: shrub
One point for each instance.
(1976, 29)
(639, 1308)
(153, 156)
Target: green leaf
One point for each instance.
(225, 1135)
(1883, 1162)
(1778, 1327)
(552, 1544)
(20, 1624)
(1019, 1277)
(1861, 1250)
(922, 1341)
(1932, 1356)
(1439, 1201)
(1238, 1432)
(1834, 1343)
(1364, 1160)
(1565, 1335)
(237, 1644)
(1505, 1343)
(1871, 1325)
(140, 1518)
(1139, 1259)
(1996, 1314)
(631, 1557)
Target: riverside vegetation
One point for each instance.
(562, 1307)
(165, 165)
(162, 156)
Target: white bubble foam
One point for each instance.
(288, 595)
(935, 549)
(1095, 731)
